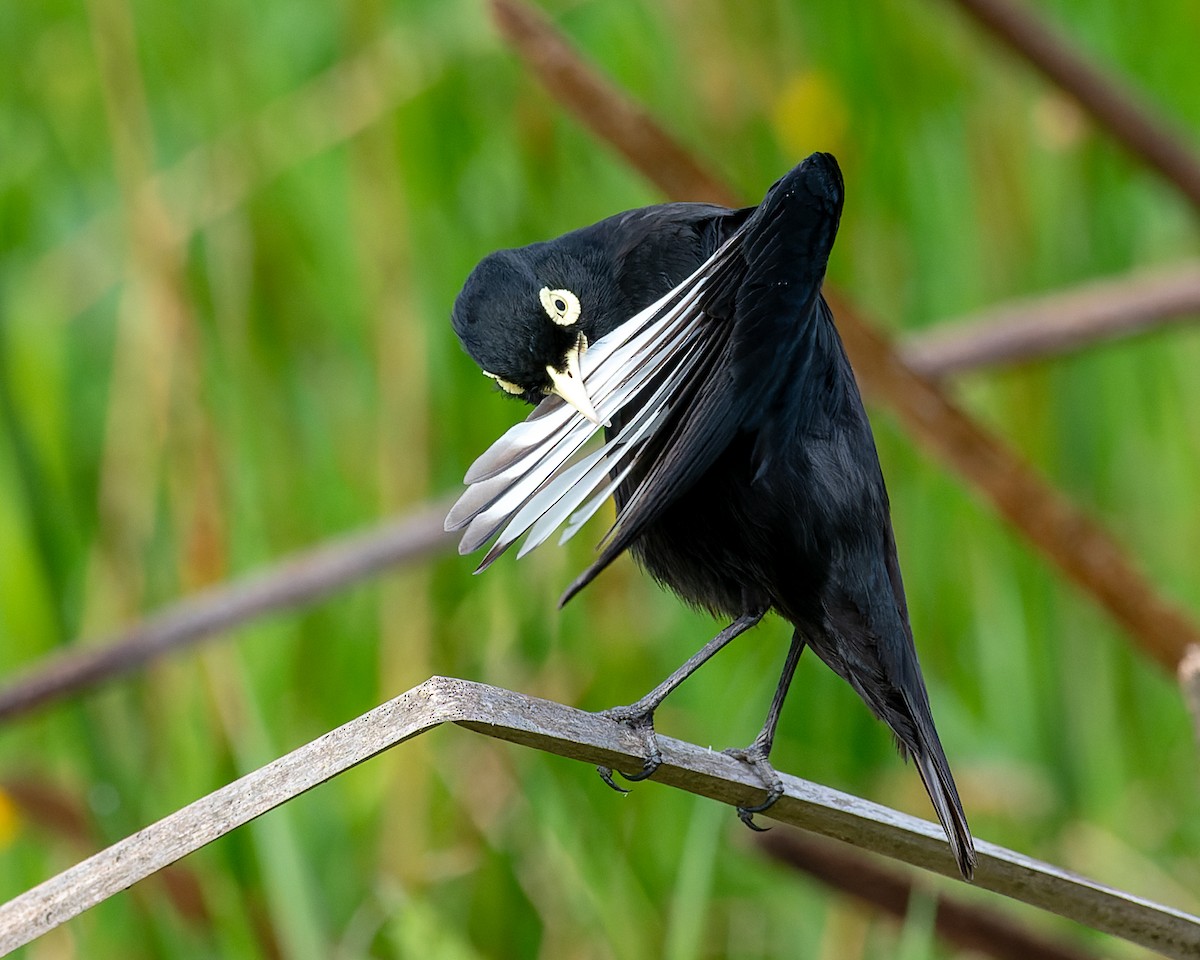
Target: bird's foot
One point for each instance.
(756, 756)
(640, 721)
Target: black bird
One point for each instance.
(737, 447)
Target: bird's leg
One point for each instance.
(757, 754)
(639, 716)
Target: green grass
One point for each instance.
(282, 370)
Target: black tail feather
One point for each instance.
(931, 763)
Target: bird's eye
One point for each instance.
(506, 385)
(562, 306)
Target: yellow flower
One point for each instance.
(10, 820)
(810, 114)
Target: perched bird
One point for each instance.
(736, 444)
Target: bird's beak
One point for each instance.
(568, 381)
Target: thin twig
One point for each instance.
(295, 581)
(623, 124)
(629, 129)
(1127, 117)
(593, 739)
(964, 925)
(1058, 323)
(1079, 546)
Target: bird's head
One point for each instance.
(526, 316)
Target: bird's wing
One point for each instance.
(693, 368)
(760, 305)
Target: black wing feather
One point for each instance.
(750, 318)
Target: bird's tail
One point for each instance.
(931, 763)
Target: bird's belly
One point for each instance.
(692, 557)
(726, 544)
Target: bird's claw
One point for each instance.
(640, 722)
(746, 815)
(755, 756)
(606, 774)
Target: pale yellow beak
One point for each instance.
(568, 382)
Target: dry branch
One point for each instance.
(1080, 547)
(1127, 118)
(294, 581)
(964, 925)
(567, 732)
(1057, 323)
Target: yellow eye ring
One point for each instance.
(562, 306)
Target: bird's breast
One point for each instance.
(749, 535)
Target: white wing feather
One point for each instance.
(528, 481)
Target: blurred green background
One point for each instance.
(230, 236)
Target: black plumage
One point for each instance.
(737, 447)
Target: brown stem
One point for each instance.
(294, 581)
(1057, 323)
(623, 124)
(1125, 116)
